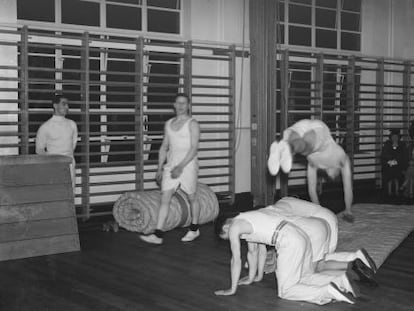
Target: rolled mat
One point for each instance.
(138, 211)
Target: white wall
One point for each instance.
(387, 27)
(222, 21)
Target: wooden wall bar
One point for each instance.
(121, 92)
(359, 97)
(263, 94)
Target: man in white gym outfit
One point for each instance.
(303, 271)
(313, 139)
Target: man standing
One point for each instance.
(313, 139)
(58, 135)
(178, 167)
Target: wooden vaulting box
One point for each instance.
(37, 213)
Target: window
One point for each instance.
(350, 21)
(131, 17)
(300, 35)
(350, 41)
(163, 21)
(326, 38)
(325, 18)
(299, 14)
(39, 10)
(162, 16)
(331, 24)
(79, 12)
(326, 3)
(169, 4)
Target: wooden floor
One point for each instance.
(116, 271)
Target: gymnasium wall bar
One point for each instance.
(359, 97)
(121, 91)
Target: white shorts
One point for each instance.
(187, 181)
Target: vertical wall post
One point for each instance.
(319, 86)
(263, 44)
(406, 96)
(284, 108)
(379, 112)
(232, 121)
(85, 128)
(188, 69)
(24, 91)
(139, 137)
(350, 111)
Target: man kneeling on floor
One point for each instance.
(299, 277)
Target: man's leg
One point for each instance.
(361, 254)
(308, 209)
(194, 231)
(294, 268)
(157, 237)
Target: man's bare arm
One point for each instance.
(252, 256)
(234, 237)
(312, 176)
(261, 261)
(347, 184)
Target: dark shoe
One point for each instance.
(351, 274)
(364, 273)
(348, 217)
(367, 259)
(352, 287)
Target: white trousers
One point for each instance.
(295, 271)
(308, 209)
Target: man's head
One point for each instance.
(60, 105)
(395, 135)
(225, 228)
(182, 104)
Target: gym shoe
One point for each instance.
(273, 163)
(190, 236)
(365, 273)
(338, 295)
(350, 285)
(367, 259)
(152, 238)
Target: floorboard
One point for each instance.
(116, 271)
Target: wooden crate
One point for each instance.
(37, 213)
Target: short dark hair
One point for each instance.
(57, 97)
(182, 95)
(221, 220)
(395, 131)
